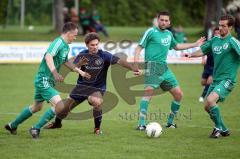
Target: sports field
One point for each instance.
(120, 139)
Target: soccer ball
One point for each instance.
(153, 129)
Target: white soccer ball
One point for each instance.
(153, 129)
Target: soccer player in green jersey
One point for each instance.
(157, 41)
(226, 55)
(47, 75)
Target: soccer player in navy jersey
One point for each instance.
(92, 89)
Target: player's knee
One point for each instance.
(97, 108)
(208, 82)
(63, 114)
(148, 93)
(97, 102)
(178, 95)
(206, 108)
(147, 98)
(209, 102)
(35, 109)
(59, 108)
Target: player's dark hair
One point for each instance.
(215, 29)
(91, 36)
(229, 18)
(69, 26)
(164, 13)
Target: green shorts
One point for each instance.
(44, 90)
(166, 81)
(222, 88)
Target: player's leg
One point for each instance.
(203, 94)
(69, 104)
(205, 76)
(57, 107)
(214, 112)
(207, 84)
(170, 84)
(51, 95)
(27, 111)
(77, 96)
(217, 93)
(96, 100)
(24, 115)
(175, 105)
(144, 103)
(151, 82)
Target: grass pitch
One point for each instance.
(120, 140)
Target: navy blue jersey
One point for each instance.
(97, 67)
(209, 61)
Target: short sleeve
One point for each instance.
(112, 59)
(235, 45)
(173, 42)
(54, 47)
(145, 38)
(206, 47)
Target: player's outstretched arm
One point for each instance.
(183, 46)
(51, 66)
(129, 66)
(198, 53)
(137, 56)
(76, 67)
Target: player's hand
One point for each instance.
(138, 72)
(204, 62)
(58, 77)
(188, 55)
(85, 74)
(200, 41)
(82, 61)
(209, 80)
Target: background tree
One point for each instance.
(3, 12)
(58, 10)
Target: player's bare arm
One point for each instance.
(137, 55)
(183, 46)
(50, 64)
(76, 67)
(128, 66)
(198, 53)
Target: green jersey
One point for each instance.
(226, 55)
(59, 50)
(157, 44)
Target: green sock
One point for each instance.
(143, 112)
(47, 116)
(24, 115)
(215, 116)
(174, 109)
(224, 128)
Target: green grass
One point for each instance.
(120, 140)
(45, 33)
